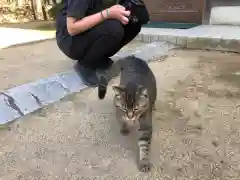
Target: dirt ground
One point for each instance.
(196, 129)
(23, 64)
(201, 118)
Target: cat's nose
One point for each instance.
(130, 114)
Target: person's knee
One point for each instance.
(114, 29)
(137, 28)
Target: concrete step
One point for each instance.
(225, 15)
(210, 37)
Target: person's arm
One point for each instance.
(75, 26)
(77, 21)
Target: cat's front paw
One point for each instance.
(144, 166)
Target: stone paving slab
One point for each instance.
(26, 98)
(216, 37)
(149, 51)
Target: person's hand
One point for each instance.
(119, 12)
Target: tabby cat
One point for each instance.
(134, 101)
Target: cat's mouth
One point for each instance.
(130, 118)
(131, 121)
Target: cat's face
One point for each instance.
(132, 104)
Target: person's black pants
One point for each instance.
(96, 45)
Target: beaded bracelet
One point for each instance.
(107, 13)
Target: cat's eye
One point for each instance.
(142, 102)
(117, 97)
(142, 105)
(118, 101)
(136, 109)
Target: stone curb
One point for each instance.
(22, 100)
(202, 37)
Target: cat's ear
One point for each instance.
(118, 90)
(143, 91)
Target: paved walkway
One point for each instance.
(15, 36)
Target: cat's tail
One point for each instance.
(102, 87)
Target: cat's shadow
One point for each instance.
(105, 110)
(105, 113)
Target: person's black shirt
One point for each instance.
(77, 9)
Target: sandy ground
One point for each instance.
(23, 64)
(196, 129)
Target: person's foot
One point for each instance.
(87, 75)
(107, 69)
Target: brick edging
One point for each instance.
(194, 42)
